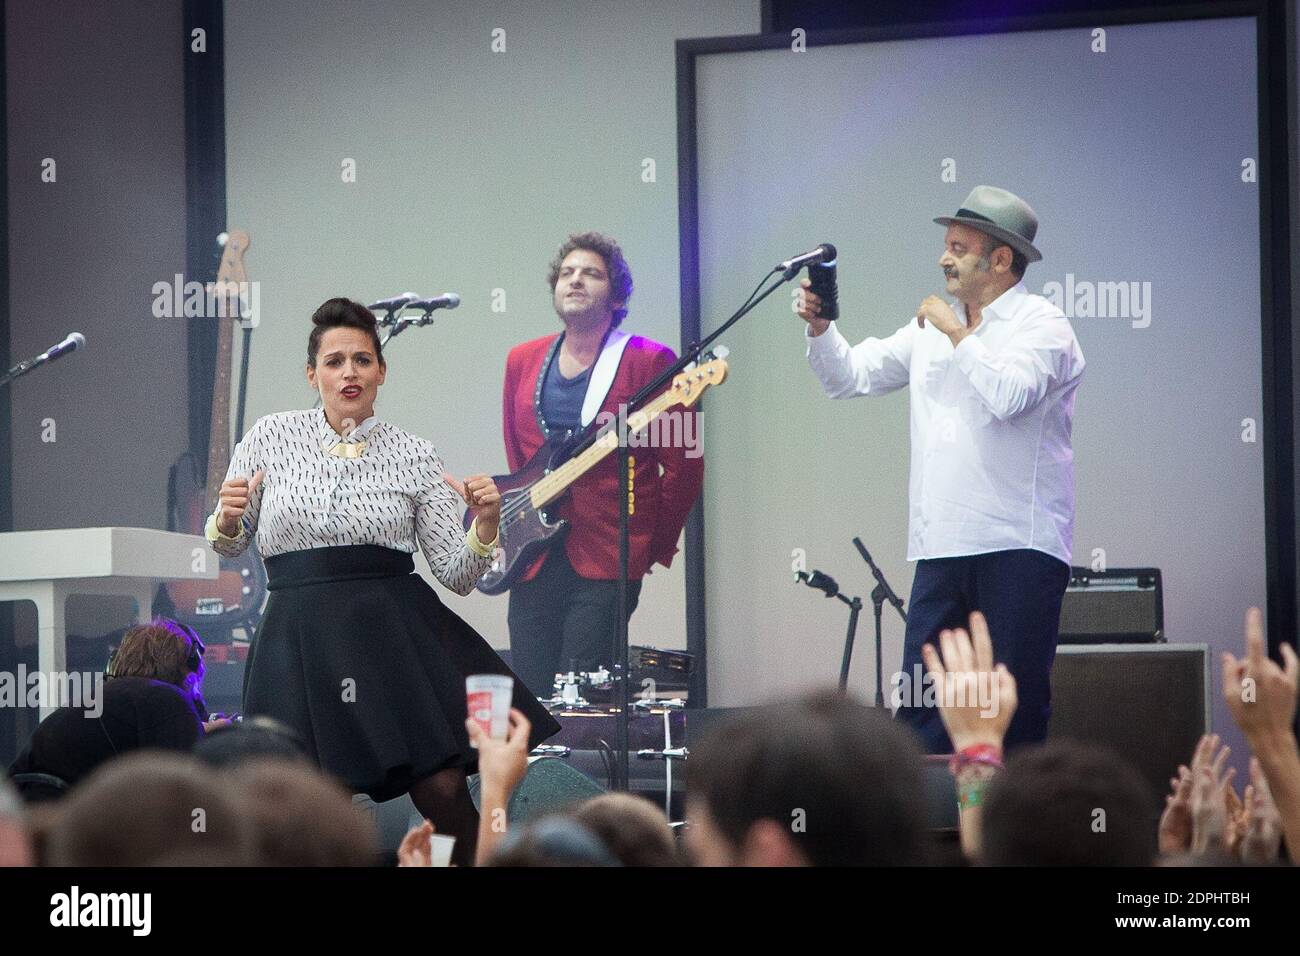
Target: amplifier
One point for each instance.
(669, 670)
(1118, 606)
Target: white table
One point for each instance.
(45, 567)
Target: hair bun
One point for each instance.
(342, 313)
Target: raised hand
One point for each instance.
(414, 849)
(1236, 812)
(502, 763)
(976, 698)
(1209, 801)
(233, 502)
(1263, 829)
(1261, 695)
(1175, 834)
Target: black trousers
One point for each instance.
(561, 621)
(1019, 592)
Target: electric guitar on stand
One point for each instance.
(234, 599)
(526, 529)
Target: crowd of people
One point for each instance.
(822, 780)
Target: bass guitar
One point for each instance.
(526, 529)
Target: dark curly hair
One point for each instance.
(620, 275)
(342, 313)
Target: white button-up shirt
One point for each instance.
(992, 465)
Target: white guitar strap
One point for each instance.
(602, 374)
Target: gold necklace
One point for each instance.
(348, 449)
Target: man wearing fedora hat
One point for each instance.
(992, 379)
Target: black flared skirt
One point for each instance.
(360, 656)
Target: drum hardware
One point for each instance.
(551, 750)
(669, 753)
(568, 688)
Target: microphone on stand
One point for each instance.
(823, 253)
(73, 342)
(392, 305)
(822, 582)
(448, 300)
(70, 344)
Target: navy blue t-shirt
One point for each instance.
(562, 398)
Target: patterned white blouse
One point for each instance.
(394, 495)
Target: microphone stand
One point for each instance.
(881, 593)
(854, 607)
(25, 366)
(828, 587)
(621, 695)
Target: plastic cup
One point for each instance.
(440, 846)
(488, 697)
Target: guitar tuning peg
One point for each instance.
(721, 352)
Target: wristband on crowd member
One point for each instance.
(973, 767)
(971, 785)
(987, 754)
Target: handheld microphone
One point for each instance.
(448, 300)
(822, 276)
(823, 253)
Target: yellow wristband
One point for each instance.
(477, 546)
(213, 533)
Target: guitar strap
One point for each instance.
(603, 373)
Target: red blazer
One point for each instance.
(666, 481)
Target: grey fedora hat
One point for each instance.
(1001, 214)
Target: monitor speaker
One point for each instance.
(550, 786)
(1148, 703)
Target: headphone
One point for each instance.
(193, 659)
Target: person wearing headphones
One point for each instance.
(150, 698)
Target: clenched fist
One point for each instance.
(235, 493)
(481, 495)
(940, 314)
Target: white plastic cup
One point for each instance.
(440, 846)
(487, 698)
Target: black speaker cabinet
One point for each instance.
(551, 785)
(1149, 703)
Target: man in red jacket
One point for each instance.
(564, 610)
